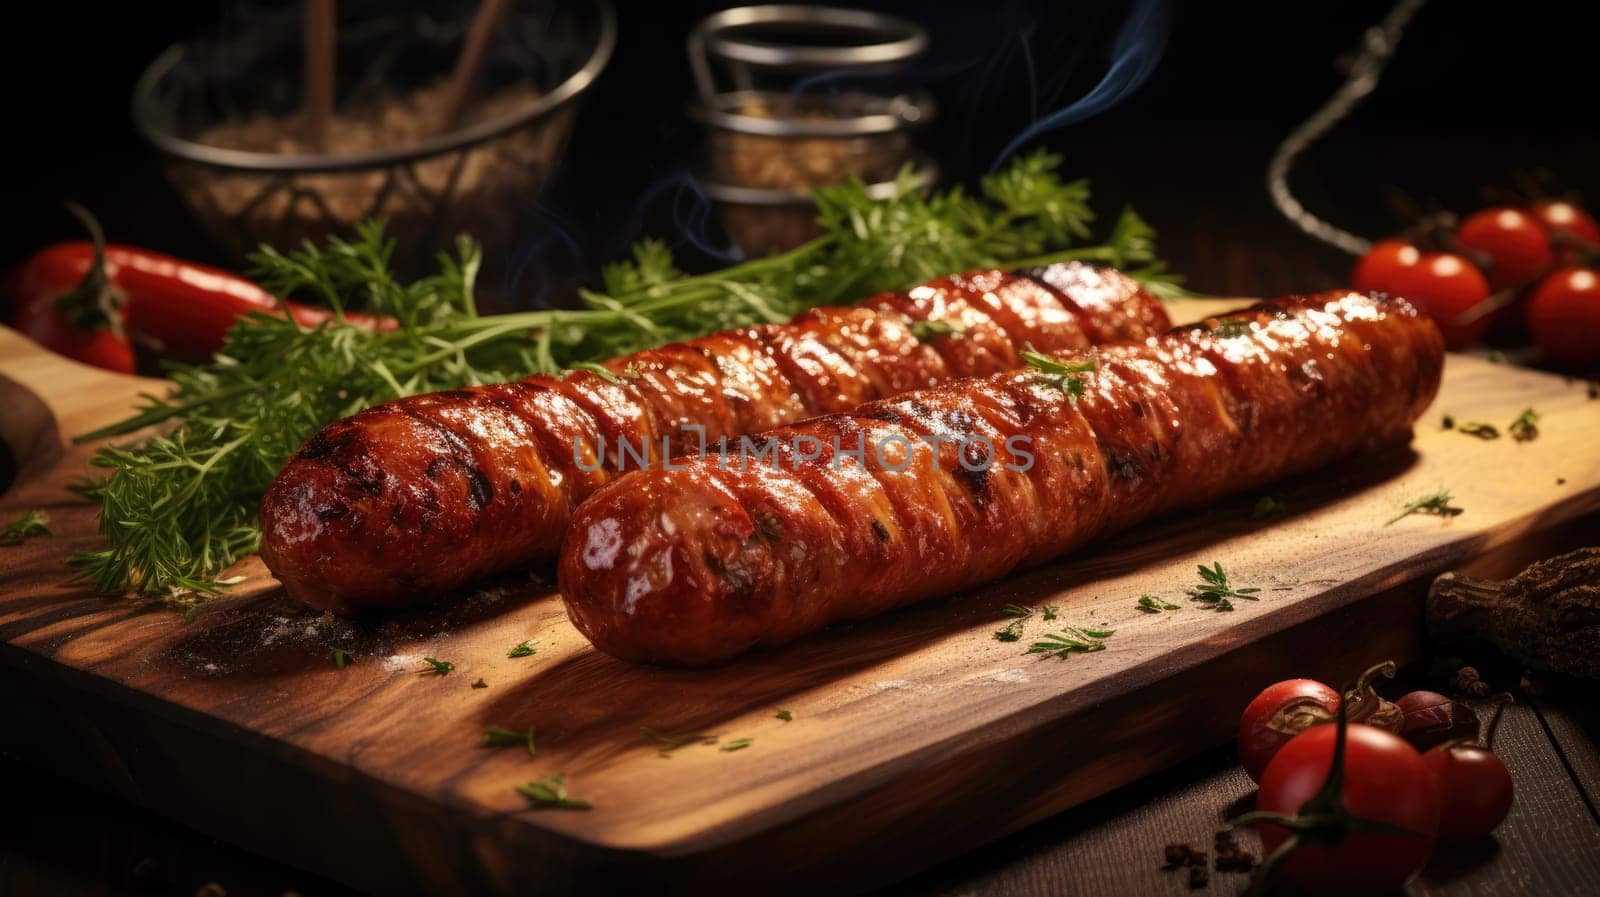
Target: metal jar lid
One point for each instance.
(886, 40)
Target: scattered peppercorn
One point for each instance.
(1231, 856)
(1467, 680)
(1177, 855)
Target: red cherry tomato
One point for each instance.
(1384, 264)
(1385, 781)
(1567, 224)
(1517, 245)
(1564, 315)
(1282, 711)
(1474, 790)
(1449, 289)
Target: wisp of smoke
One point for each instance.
(1137, 49)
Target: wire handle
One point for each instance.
(1378, 46)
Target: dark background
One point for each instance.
(1477, 93)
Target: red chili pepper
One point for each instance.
(65, 302)
(178, 309)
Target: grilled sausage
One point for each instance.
(407, 500)
(945, 488)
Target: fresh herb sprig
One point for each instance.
(1062, 375)
(1012, 631)
(1071, 640)
(29, 526)
(1217, 590)
(179, 507)
(1437, 504)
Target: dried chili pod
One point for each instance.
(1365, 705)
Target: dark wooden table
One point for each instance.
(59, 839)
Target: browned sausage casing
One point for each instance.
(408, 500)
(697, 564)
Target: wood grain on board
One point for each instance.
(913, 737)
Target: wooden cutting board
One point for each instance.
(913, 737)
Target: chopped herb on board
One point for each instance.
(437, 667)
(551, 793)
(1479, 429)
(1526, 427)
(1150, 604)
(1013, 631)
(1267, 506)
(666, 744)
(1437, 504)
(28, 526)
(738, 744)
(498, 736)
(523, 649)
(1071, 640)
(341, 658)
(784, 715)
(1216, 589)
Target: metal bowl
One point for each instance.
(224, 113)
